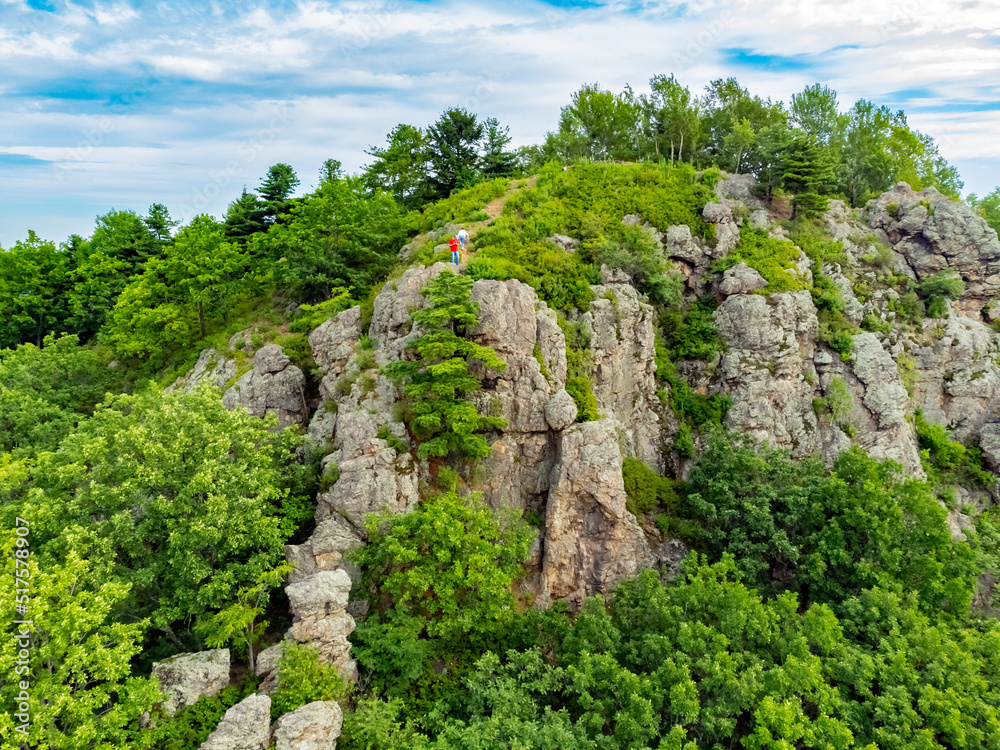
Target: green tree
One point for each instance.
(438, 581)
(672, 117)
(276, 190)
(814, 110)
(988, 207)
(740, 140)
(453, 144)
(77, 670)
(158, 222)
(599, 124)
(402, 167)
(342, 235)
(125, 236)
(496, 160)
(439, 379)
(45, 392)
(728, 107)
(805, 171)
(33, 279)
(245, 217)
(181, 499)
(94, 285)
(169, 305)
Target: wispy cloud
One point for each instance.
(126, 103)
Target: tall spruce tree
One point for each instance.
(439, 379)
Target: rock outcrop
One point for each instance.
(319, 608)
(211, 367)
(185, 678)
(770, 341)
(245, 726)
(932, 233)
(591, 541)
(622, 339)
(314, 726)
(273, 386)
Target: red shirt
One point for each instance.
(453, 244)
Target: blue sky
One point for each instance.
(122, 104)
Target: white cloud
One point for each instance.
(199, 82)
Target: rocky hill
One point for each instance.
(838, 356)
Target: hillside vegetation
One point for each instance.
(787, 536)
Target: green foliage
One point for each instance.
(438, 581)
(176, 496)
(947, 461)
(45, 392)
(302, 679)
(646, 489)
(690, 407)
(691, 334)
(238, 625)
(459, 205)
(935, 289)
(988, 207)
(828, 535)
(439, 379)
(189, 728)
(82, 694)
(579, 388)
(776, 260)
(377, 725)
(171, 304)
(837, 402)
(341, 235)
(33, 284)
(397, 444)
(310, 317)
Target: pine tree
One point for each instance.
(439, 380)
(805, 170)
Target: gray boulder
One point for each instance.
(333, 342)
(741, 279)
(933, 233)
(211, 368)
(568, 244)
(560, 411)
(186, 677)
(989, 441)
(314, 726)
(245, 726)
(273, 386)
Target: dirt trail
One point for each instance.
(494, 209)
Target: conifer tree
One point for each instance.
(805, 170)
(439, 379)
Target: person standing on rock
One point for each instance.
(453, 244)
(463, 237)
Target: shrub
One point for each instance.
(586, 404)
(776, 260)
(438, 581)
(645, 489)
(837, 402)
(692, 334)
(302, 679)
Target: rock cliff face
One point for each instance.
(621, 328)
(931, 233)
(591, 541)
